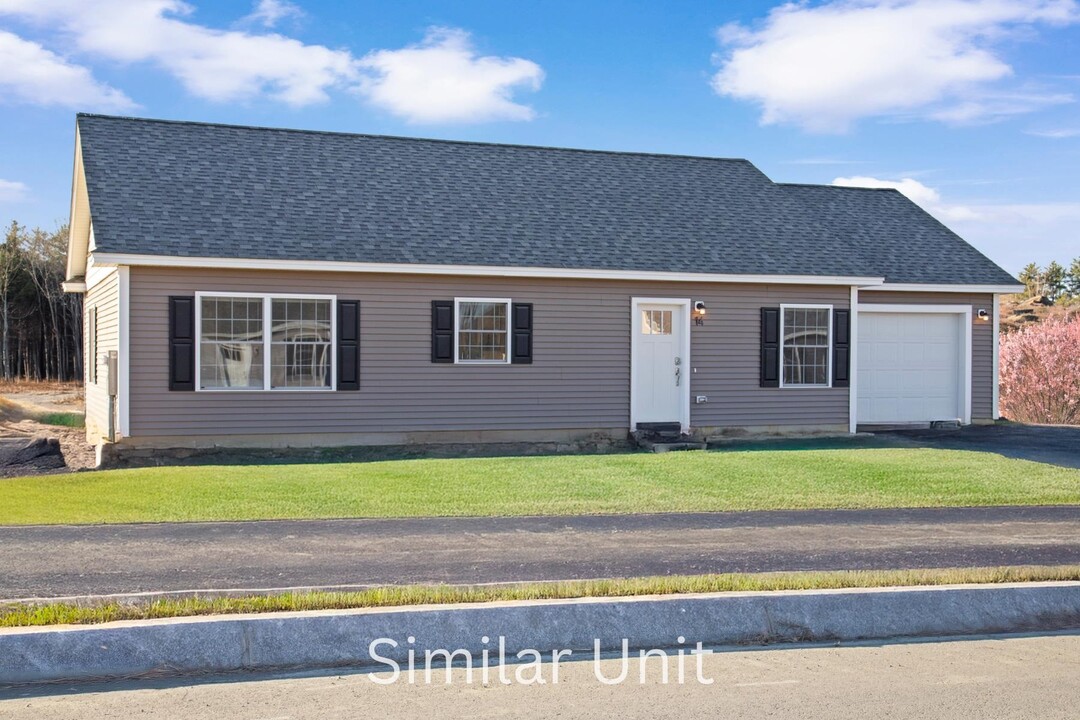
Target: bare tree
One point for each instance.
(40, 325)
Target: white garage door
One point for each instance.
(910, 367)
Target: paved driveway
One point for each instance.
(1054, 444)
(1057, 445)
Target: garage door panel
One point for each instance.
(909, 367)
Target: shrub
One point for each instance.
(1040, 373)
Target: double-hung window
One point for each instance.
(482, 330)
(806, 332)
(265, 342)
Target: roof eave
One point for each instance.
(79, 223)
(949, 287)
(113, 259)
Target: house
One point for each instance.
(262, 287)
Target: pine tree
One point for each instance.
(1072, 279)
(1053, 280)
(1030, 276)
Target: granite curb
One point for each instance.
(342, 638)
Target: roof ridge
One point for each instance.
(834, 187)
(304, 131)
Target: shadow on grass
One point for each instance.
(372, 454)
(840, 442)
(385, 453)
(1057, 446)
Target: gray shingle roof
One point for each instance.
(201, 190)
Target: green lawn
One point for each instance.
(580, 484)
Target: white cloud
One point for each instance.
(31, 74)
(1056, 134)
(13, 191)
(270, 12)
(442, 79)
(218, 65)
(917, 192)
(1018, 233)
(825, 66)
(1011, 234)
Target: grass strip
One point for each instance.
(63, 419)
(860, 477)
(24, 615)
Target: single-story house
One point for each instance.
(262, 287)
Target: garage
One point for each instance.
(913, 364)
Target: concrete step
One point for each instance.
(663, 447)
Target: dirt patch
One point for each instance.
(44, 396)
(77, 453)
(21, 405)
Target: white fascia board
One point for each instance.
(914, 287)
(73, 286)
(124, 356)
(853, 363)
(79, 219)
(996, 361)
(473, 270)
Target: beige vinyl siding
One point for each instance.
(580, 377)
(105, 296)
(982, 337)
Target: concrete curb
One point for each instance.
(342, 637)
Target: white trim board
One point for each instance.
(685, 304)
(474, 270)
(124, 358)
(995, 407)
(853, 361)
(950, 288)
(965, 352)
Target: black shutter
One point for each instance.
(521, 333)
(841, 348)
(770, 347)
(348, 344)
(181, 343)
(442, 331)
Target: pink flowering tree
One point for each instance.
(1040, 373)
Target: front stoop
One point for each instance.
(664, 437)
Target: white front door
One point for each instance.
(660, 382)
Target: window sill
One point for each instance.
(264, 390)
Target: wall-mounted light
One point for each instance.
(699, 307)
(983, 315)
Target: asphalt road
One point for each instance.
(60, 561)
(997, 677)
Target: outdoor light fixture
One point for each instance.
(699, 307)
(983, 315)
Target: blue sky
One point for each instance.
(971, 107)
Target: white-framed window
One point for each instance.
(482, 331)
(264, 341)
(806, 350)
